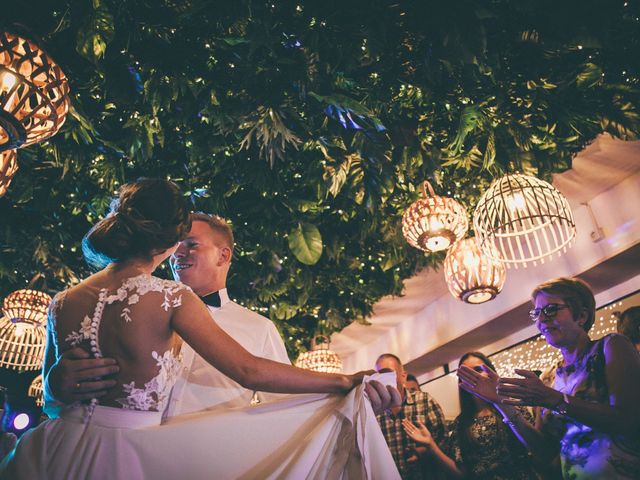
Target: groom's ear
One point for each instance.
(225, 254)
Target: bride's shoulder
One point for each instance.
(145, 283)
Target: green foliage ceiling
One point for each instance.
(310, 126)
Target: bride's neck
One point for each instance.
(132, 266)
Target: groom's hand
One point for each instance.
(76, 376)
(382, 397)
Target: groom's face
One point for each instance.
(201, 260)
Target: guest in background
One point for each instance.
(412, 383)
(417, 406)
(480, 445)
(590, 416)
(629, 325)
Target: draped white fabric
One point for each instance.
(299, 436)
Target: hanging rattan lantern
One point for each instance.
(320, 358)
(26, 308)
(8, 168)
(471, 275)
(36, 390)
(34, 93)
(21, 348)
(433, 223)
(522, 219)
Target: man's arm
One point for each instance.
(75, 376)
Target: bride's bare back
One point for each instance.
(128, 319)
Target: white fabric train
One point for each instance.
(311, 436)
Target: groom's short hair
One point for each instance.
(217, 224)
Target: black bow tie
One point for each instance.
(213, 299)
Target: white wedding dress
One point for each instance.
(299, 436)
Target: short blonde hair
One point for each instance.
(217, 224)
(577, 293)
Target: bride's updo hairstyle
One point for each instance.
(148, 216)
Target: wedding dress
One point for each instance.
(121, 437)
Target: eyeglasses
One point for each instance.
(550, 311)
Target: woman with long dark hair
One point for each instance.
(480, 445)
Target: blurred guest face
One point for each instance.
(412, 386)
(560, 329)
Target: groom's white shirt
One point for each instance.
(202, 386)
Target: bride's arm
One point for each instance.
(193, 323)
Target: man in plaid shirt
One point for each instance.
(411, 459)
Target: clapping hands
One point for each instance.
(481, 384)
(418, 433)
(529, 391)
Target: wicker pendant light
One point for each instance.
(521, 219)
(36, 390)
(21, 348)
(26, 307)
(433, 223)
(471, 275)
(8, 168)
(34, 93)
(23, 329)
(320, 358)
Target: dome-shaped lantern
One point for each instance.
(522, 219)
(34, 93)
(21, 348)
(471, 275)
(320, 358)
(26, 308)
(36, 391)
(8, 168)
(433, 223)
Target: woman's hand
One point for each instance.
(419, 433)
(481, 384)
(528, 391)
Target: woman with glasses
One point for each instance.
(590, 416)
(480, 445)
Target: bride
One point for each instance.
(123, 312)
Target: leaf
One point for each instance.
(305, 242)
(470, 119)
(590, 76)
(96, 33)
(337, 177)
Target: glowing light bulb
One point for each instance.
(7, 81)
(20, 329)
(516, 202)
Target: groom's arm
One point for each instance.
(75, 376)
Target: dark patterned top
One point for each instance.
(416, 406)
(493, 452)
(584, 452)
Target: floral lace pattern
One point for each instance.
(76, 338)
(155, 393)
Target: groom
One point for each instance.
(202, 262)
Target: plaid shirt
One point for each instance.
(416, 406)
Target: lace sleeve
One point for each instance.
(173, 292)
